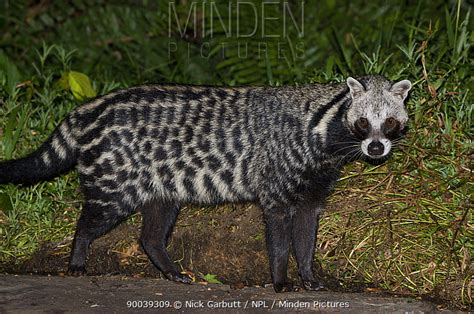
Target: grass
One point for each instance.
(408, 226)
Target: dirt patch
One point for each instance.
(226, 241)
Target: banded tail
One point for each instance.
(55, 156)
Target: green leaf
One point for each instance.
(12, 73)
(5, 203)
(13, 129)
(63, 82)
(211, 279)
(330, 65)
(80, 85)
(449, 28)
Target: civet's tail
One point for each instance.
(54, 157)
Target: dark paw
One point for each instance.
(313, 285)
(76, 271)
(178, 277)
(283, 287)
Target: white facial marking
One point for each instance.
(322, 126)
(387, 146)
(365, 146)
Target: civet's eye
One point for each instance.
(363, 123)
(391, 122)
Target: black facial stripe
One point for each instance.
(318, 115)
(360, 132)
(392, 132)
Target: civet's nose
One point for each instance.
(375, 148)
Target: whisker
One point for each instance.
(352, 149)
(339, 143)
(345, 158)
(345, 147)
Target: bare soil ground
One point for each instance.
(225, 241)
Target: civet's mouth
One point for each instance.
(376, 148)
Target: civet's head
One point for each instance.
(377, 115)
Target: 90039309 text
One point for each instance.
(148, 304)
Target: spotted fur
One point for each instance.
(154, 148)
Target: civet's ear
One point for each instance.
(355, 86)
(401, 89)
